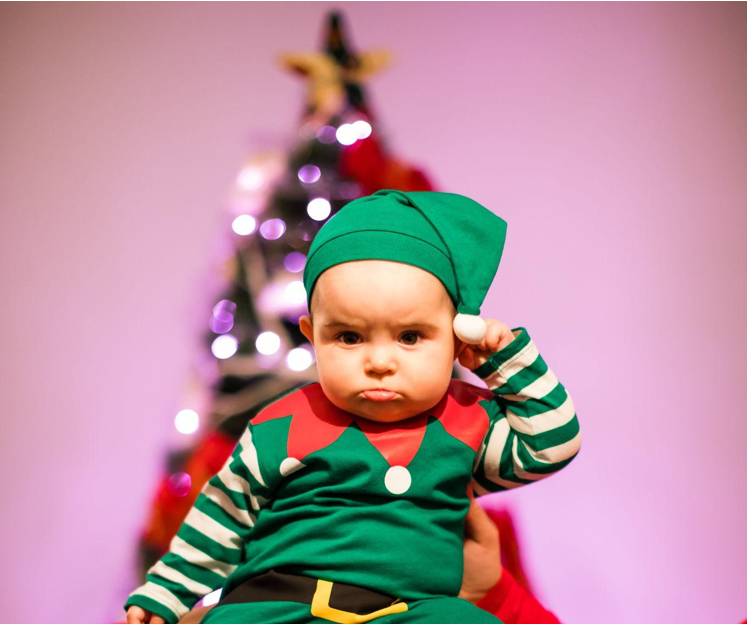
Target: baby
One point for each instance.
(345, 500)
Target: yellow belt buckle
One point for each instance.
(320, 608)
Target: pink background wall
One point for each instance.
(612, 138)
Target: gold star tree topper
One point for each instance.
(335, 76)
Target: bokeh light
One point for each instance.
(268, 343)
(299, 359)
(224, 309)
(250, 179)
(187, 421)
(347, 134)
(294, 262)
(319, 209)
(295, 292)
(308, 174)
(272, 229)
(244, 224)
(222, 319)
(180, 483)
(221, 326)
(362, 129)
(326, 134)
(224, 346)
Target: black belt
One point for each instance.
(336, 602)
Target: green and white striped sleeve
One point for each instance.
(533, 428)
(209, 544)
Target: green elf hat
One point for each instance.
(451, 236)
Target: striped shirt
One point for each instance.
(262, 510)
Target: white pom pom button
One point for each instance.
(397, 480)
(289, 466)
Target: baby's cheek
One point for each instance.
(432, 377)
(437, 361)
(337, 372)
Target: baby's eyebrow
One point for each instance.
(419, 325)
(337, 324)
(414, 324)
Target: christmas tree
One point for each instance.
(254, 348)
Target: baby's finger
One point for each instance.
(490, 339)
(462, 348)
(157, 620)
(135, 615)
(493, 336)
(505, 337)
(466, 357)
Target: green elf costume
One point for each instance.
(320, 515)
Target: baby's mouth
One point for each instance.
(379, 395)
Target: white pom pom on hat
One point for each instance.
(469, 328)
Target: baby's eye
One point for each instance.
(348, 338)
(410, 338)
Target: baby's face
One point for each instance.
(383, 337)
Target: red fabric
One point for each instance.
(513, 604)
(169, 510)
(399, 442)
(368, 163)
(510, 551)
(317, 423)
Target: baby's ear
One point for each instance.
(307, 329)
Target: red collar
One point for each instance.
(317, 422)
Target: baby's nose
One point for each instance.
(380, 361)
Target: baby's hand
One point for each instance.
(497, 336)
(136, 615)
